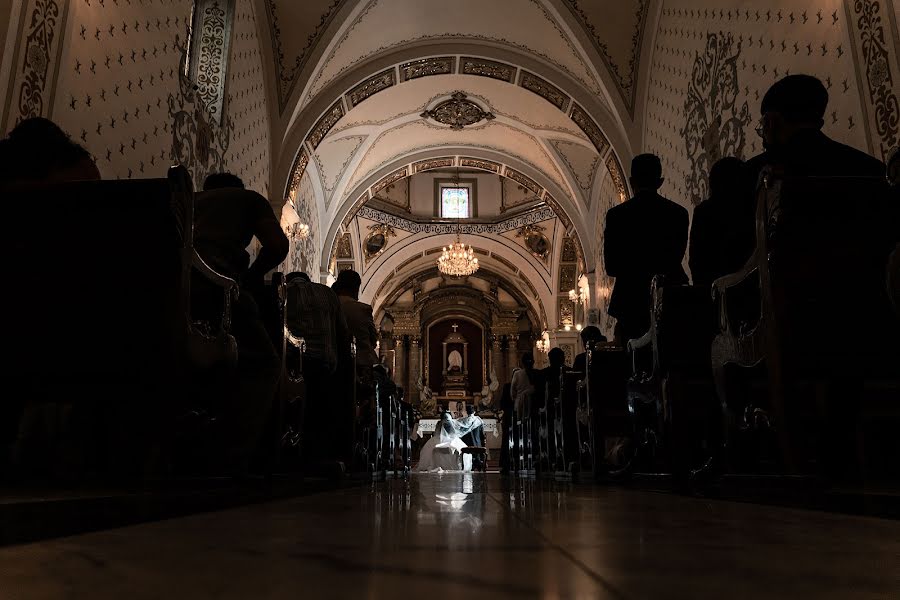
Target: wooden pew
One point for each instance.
(822, 327)
(603, 407)
(98, 308)
(573, 428)
(671, 392)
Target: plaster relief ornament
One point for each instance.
(457, 112)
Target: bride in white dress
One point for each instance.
(443, 452)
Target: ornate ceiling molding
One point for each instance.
(287, 74)
(544, 89)
(386, 78)
(458, 112)
(370, 87)
(426, 67)
(531, 217)
(624, 74)
(488, 68)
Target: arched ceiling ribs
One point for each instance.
(555, 197)
(309, 127)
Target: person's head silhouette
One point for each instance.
(792, 104)
(591, 335)
(528, 360)
(646, 173)
(217, 181)
(556, 357)
(347, 284)
(727, 177)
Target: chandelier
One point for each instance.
(457, 260)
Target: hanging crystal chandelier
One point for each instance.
(457, 260)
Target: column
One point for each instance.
(400, 364)
(496, 358)
(512, 355)
(415, 369)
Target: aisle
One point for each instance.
(472, 536)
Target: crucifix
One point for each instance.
(454, 327)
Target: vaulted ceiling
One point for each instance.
(360, 86)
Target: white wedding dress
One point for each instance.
(443, 452)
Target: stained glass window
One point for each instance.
(455, 202)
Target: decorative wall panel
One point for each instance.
(876, 45)
(35, 65)
(210, 45)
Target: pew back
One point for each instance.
(98, 282)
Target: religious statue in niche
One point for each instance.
(454, 362)
(456, 358)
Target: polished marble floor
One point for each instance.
(472, 536)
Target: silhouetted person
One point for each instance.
(893, 269)
(644, 236)
(723, 232)
(314, 313)
(359, 318)
(793, 114)
(557, 360)
(590, 336)
(37, 150)
(523, 383)
(226, 218)
(506, 422)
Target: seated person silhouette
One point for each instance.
(227, 217)
(591, 337)
(38, 151)
(793, 115)
(644, 236)
(723, 231)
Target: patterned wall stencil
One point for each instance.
(120, 66)
(710, 61)
(249, 150)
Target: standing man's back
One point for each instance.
(644, 236)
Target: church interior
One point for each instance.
(504, 298)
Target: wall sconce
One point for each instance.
(543, 344)
(297, 231)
